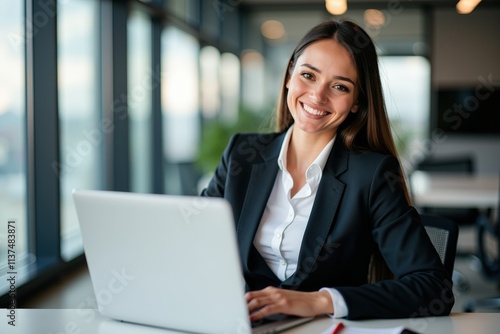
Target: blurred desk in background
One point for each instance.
(454, 191)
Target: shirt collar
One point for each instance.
(320, 160)
(284, 149)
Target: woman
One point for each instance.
(315, 200)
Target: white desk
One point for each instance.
(454, 191)
(88, 321)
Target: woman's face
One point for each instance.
(322, 89)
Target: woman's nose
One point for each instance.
(318, 93)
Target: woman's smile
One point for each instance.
(313, 111)
(322, 89)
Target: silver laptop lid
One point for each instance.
(167, 261)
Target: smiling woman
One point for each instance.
(322, 89)
(316, 200)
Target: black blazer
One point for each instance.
(360, 206)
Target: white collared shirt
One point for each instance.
(284, 221)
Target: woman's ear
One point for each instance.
(355, 107)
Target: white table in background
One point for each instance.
(454, 191)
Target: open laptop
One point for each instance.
(166, 261)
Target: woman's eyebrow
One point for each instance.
(339, 77)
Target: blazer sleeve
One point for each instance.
(422, 287)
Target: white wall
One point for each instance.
(465, 47)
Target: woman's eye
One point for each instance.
(307, 75)
(341, 88)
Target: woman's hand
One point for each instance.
(271, 300)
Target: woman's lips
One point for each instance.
(313, 111)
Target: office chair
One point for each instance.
(443, 233)
(459, 164)
(489, 255)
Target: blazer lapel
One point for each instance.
(322, 215)
(261, 183)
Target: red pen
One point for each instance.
(338, 328)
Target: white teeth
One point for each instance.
(314, 111)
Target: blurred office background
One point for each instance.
(141, 96)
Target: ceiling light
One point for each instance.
(374, 18)
(249, 57)
(336, 7)
(272, 29)
(467, 6)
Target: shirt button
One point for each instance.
(283, 263)
(277, 235)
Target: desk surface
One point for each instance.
(449, 190)
(88, 321)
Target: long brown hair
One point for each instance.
(368, 128)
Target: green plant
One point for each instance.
(217, 132)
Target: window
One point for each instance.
(230, 86)
(82, 131)
(13, 185)
(210, 90)
(140, 85)
(407, 98)
(58, 92)
(181, 125)
(186, 10)
(253, 80)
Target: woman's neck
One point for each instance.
(304, 148)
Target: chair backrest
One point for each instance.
(443, 234)
(488, 243)
(454, 164)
